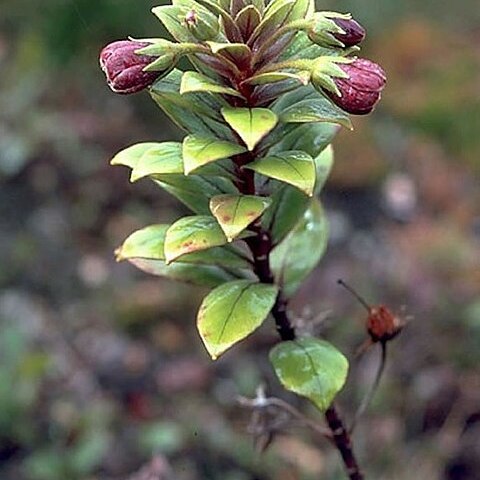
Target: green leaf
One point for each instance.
(203, 275)
(161, 159)
(315, 110)
(252, 124)
(197, 82)
(172, 17)
(293, 167)
(239, 53)
(196, 113)
(195, 191)
(199, 151)
(288, 205)
(311, 368)
(149, 243)
(311, 138)
(235, 213)
(233, 311)
(129, 157)
(192, 234)
(298, 254)
(323, 167)
(273, 77)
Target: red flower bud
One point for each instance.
(124, 68)
(361, 91)
(354, 32)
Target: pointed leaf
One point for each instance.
(288, 205)
(315, 110)
(298, 254)
(239, 53)
(149, 243)
(252, 124)
(233, 311)
(294, 167)
(195, 191)
(247, 20)
(273, 77)
(130, 156)
(310, 367)
(323, 166)
(161, 159)
(203, 275)
(192, 234)
(197, 82)
(235, 213)
(199, 151)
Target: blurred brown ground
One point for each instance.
(101, 369)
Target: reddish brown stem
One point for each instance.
(261, 245)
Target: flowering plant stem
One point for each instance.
(260, 246)
(270, 85)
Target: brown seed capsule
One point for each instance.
(382, 325)
(124, 68)
(361, 91)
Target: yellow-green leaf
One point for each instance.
(234, 213)
(251, 124)
(233, 311)
(199, 151)
(293, 167)
(192, 234)
(197, 82)
(161, 159)
(310, 367)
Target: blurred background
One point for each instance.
(101, 368)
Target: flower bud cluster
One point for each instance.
(240, 43)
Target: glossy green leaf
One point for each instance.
(233, 311)
(323, 167)
(311, 138)
(195, 191)
(298, 254)
(161, 159)
(315, 110)
(197, 82)
(251, 124)
(311, 368)
(196, 113)
(293, 167)
(203, 275)
(192, 234)
(235, 213)
(130, 156)
(199, 151)
(149, 243)
(288, 205)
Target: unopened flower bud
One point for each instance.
(359, 90)
(203, 28)
(354, 32)
(124, 68)
(336, 30)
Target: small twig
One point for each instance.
(260, 403)
(372, 390)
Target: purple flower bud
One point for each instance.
(124, 68)
(354, 32)
(362, 89)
